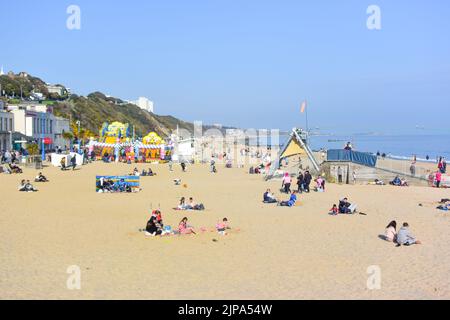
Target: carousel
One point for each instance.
(115, 145)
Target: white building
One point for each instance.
(6, 129)
(38, 122)
(145, 104)
(2, 73)
(55, 89)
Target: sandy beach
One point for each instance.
(278, 253)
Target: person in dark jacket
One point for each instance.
(153, 228)
(73, 162)
(307, 181)
(300, 181)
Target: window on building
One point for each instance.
(1, 124)
(51, 126)
(11, 125)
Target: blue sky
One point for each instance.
(247, 63)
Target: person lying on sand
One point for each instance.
(40, 178)
(184, 228)
(345, 207)
(26, 186)
(269, 197)
(445, 206)
(291, 202)
(405, 237)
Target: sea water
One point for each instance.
(395, 146)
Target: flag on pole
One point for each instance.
(303, 108)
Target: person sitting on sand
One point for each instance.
(269, 197)
(405, 237)
(291, 202)
(63, 163)
(26, 186)
(390, 234)
(320, 184)
(136, 172)
(184, 228)
(40, 178)
(158, 216)
(182, 205)
(346, 207)
(404, 183)
(153, 228)
(15, 168)
(334, 211)
(194, 206)
(150, 172)
(222, 227)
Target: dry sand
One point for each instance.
(280, 253)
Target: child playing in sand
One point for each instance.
(184, 228)
(334, 211)
(222, 227)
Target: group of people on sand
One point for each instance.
(190, 205)
(26, 186)
(344, 207)
(399, 182)
(155, 226)
(73, 163)
(269, 198)
(403, 237)
(303, 183)
(144, 173)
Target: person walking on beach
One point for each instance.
(183, 166)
